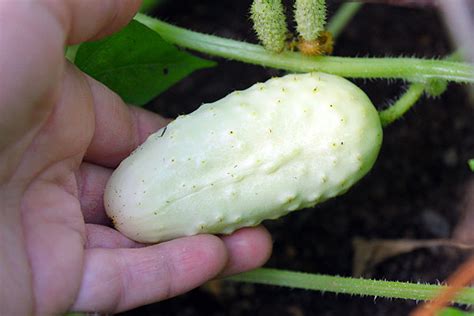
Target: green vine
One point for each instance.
(347, 285)
(411, 69)
(424, 72)
(402, 105)
(433, 88)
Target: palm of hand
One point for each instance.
(62, 138)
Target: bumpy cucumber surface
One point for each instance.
(257, 154)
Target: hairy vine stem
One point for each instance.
(402, 105)
(347, 285)
(411, 69)
(412, 94)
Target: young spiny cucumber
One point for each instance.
(257, 154)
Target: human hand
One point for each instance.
(62, 133)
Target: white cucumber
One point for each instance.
(257, 154)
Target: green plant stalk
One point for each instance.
(471, 164)
(412, 69)
(347, 285)
(410, 97)
(342, 17)
(402, 105)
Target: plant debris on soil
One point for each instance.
(418, 189)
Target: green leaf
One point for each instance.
(471, 164)
(137, 63)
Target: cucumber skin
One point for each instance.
(279, 146)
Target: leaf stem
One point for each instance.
(347, 285)
(412, 69)
(342, 17)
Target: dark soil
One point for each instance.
(414, 190)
